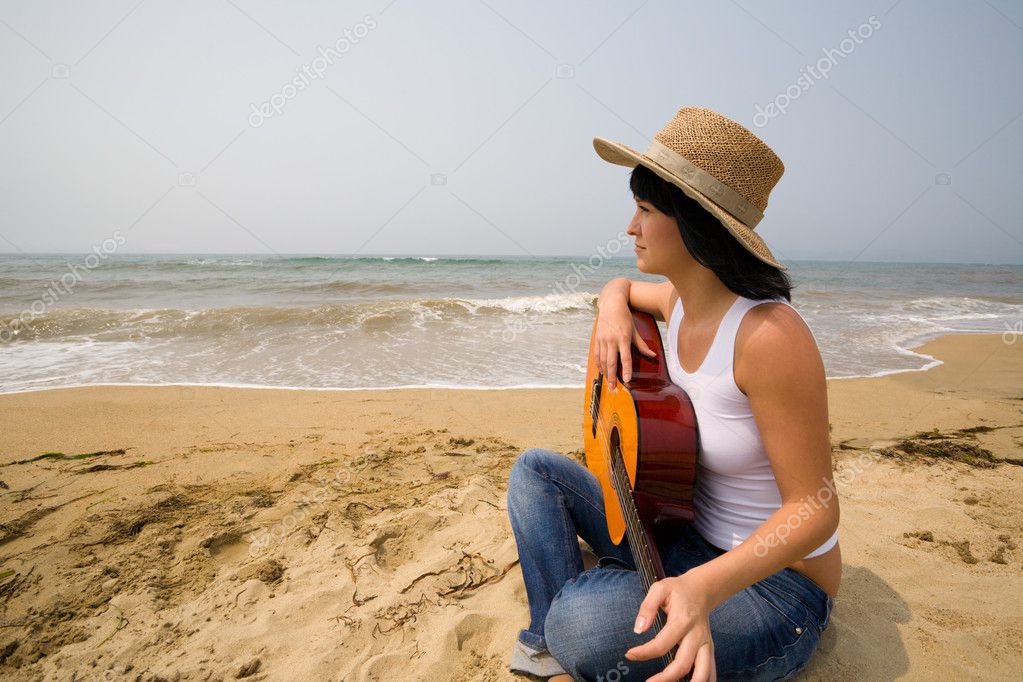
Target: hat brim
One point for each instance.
(622, 155)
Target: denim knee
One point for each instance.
(527, 465)
(532, 459)
(589, 626)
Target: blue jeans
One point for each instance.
(581, 621)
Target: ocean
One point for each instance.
(390, 322)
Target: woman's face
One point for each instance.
(659, 244)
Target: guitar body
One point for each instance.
(641, 441)
(652, 423)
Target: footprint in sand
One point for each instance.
(395, 546)
(226, 547)
(926, 539)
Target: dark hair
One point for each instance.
(710, 242)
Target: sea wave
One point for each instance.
(951, 308)
(341, 260)
(440, 260)
(376, 316)
(54, 266)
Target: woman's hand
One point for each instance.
(684, 601)
(615, 334)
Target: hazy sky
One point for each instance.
(465, 127)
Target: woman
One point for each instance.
(751, 581)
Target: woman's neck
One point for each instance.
(703, 294)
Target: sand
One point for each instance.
(204, 533)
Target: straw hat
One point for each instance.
(717, 162)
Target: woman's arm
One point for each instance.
(655, 298)
(616, 332)
(782, 373)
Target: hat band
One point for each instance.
(705, 183)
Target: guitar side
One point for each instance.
(641, 437)
(654, 423)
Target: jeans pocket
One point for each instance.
(792, 609)
(829, 606)
(782, 644)
(811, 595)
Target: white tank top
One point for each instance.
(735, 486)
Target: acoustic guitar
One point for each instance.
(641, 442)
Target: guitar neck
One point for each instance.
(648, 565)
(642, 443)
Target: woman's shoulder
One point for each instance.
(772, 322)
(773, 334)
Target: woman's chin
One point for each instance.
(646, 268)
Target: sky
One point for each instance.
(466, 127)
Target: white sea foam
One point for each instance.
(391, 321)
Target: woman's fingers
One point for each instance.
(615, 339)
(625, 350)
(705, 669)
(655, 597)
(640, 343)
(670, 635)
(684, 657)
(612, 366)
(688, 652)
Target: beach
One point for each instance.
(208, 533)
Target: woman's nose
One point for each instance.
(633, 228)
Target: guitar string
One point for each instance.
(634, 525)
(629, 511)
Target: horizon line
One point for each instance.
(452, 256)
